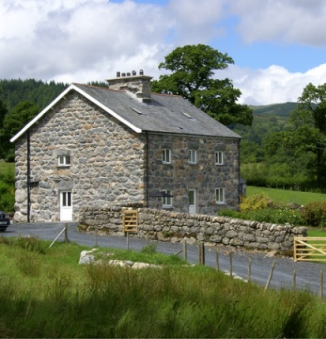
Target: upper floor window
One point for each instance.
(219, 158)
(192, 157)
(167, 201)
(166, 156)
(219, 195)
(64, 160)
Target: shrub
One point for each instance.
(149, 249)
(314, 214)
(280, 215)
(256, 202)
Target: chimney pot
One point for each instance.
(118, 74)
(123, 74)
(128, 74)
(141, 72)
(134, 73)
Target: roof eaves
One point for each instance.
(40, 115)
(62, 95)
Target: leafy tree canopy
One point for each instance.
(3, 112)
(192, 68)
(305, 137)
(19, 117)
(13, 123)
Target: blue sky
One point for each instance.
(278, 46)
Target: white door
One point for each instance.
(65, 206)
(192, 201)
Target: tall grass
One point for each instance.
(64, 299)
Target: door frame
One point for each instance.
(65, 205)
(192, 208)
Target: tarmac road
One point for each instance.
(307, 274)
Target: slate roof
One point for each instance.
(164, 113)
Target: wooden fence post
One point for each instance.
(217, 263)
(184, 249)
(230, 260)
(321, 283)
(201, 253)
(270, 275)
(66, 233)
(294, 279)
(249, 269)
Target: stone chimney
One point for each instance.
(138, 86)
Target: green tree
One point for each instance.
(13, 123)
(3, 112)
(192, 69)
(309, 124)
(302, 144)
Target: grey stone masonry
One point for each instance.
(106, 161)
(175, 226)
(204, 176)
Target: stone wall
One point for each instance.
(175, 226)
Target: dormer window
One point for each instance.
(63, 160)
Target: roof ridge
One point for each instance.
(99, 87)
(167, 95)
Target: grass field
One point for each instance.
(44, 293)
(5, 166)
(285, 196)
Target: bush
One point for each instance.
(261, 208)
(280, 215)
(314, 214)
(256, 202)
(149, 249)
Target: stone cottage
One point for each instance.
(94, 146)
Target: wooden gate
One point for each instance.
(309, 249)
(130, 220)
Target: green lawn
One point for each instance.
(285, 196)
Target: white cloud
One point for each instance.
(298, 21)
(274, 84)
(68, 39)
(84, 40)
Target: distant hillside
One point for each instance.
(282, 110)
(37, 92)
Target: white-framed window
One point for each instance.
(219, 158)
(167, 201)
(192, 157)
(166, 156)
(64, 160)
(219, 195)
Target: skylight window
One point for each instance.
(187, 115)
(137, 111)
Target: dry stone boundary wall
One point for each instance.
(174, 226)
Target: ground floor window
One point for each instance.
(219, 195)
(167, 201)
